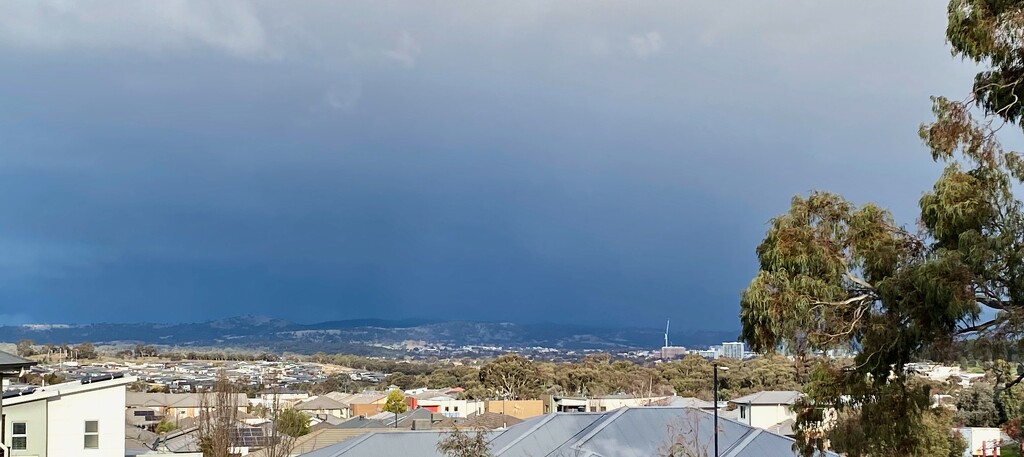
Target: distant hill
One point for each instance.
(349, 335)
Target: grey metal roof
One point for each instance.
(642, 432)
(10, 362)
(547, 435)
(625, 432)
(760, 443)
(361, 422)
(690, 402)
(320, 402)
(404, 444)
(769, 397)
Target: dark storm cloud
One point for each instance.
(611, 163)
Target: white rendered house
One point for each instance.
(74, 419)
(767, 409)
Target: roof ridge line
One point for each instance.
(605, 421)
(527, 433)
(742, 443)
(354, 441)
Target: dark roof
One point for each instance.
(486, 421)
(361, 422)
(10, 362)
(317, 403)
(405, 419)
(187, 439)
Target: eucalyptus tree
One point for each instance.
(834, 274)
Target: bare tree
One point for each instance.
(684, 438)
(280, 442)
(218, 418)
(458, 443)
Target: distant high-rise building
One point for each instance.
(669, 352)
(732, 350)
(711, 353)
(672, 352)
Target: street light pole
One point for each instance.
(715, 364)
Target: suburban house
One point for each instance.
(612, 402)
(772, 410)
(599, 404)
(443, 402)
(281, 398)
(75, 419)
(175, 407)
(11, 366)
(320, 407)
(623, 432)
(361, 404)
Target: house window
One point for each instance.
(456, 408)
(19, 436)
(743, 412)
(92, 434)
(445, 409)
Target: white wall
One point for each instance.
(456, 408)
(33, 414)
(68, 413)
(609, 404)
(764, 416)
(324, 412)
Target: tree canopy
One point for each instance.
(395, 402)
(292, 422)
(511, 376)
(834, 274)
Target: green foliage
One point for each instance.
(458, 443)
(901, 423)
(395, 402)
(511, 377)
(165, 426)
(976, 406)
(292, 422)
(1011, 403)
(598, 375)
(986, 32)
(834, 274)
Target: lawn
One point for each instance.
(1010, 450)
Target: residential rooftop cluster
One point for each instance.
(196, 376)
(96, 410)
(110, 421)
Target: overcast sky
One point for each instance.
(611, 163)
